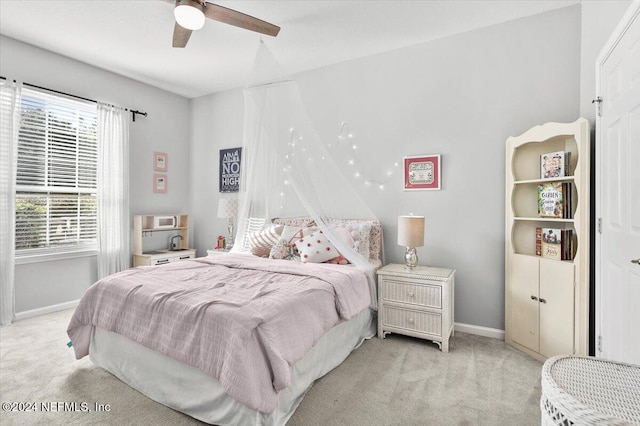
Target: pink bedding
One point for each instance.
(242, 319)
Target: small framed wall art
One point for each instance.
(160, 183)
(160, 161)
(422, 173)
(230, 169)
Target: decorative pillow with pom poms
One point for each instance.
(316, 248)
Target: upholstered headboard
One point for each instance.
(375, 235)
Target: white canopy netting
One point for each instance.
(287, 170)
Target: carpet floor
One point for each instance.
(396, 381)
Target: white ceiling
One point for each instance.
(133, 37)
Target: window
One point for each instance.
(56, 175)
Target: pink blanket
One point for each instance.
(242, 319)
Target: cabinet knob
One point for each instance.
(636, 261)
(410, 320)
(543, 300)
(534, 298)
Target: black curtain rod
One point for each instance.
(133, 111)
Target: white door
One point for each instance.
(618, 194)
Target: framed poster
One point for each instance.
(230, 169)
(160, 161)
(160, 183)
(422, 172)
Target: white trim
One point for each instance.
(47, 310)
(49, 257)
(493, 333)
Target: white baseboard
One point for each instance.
(47, 310)
(494, 333)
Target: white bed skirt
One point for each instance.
(193, 392)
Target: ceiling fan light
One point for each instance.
(189, 15)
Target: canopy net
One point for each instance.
(287, 170)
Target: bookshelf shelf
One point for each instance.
(547, 180)
(546, 300)
(544, 219)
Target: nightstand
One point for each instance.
(217, 252)
(416, 302)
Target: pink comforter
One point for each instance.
(242, 319)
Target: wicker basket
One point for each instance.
(589, 391)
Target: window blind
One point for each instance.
(56, 174)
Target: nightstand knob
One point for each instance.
(410, 320)
(411, 294)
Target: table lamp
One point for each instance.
(411, 235)
(228, 209)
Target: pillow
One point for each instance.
(261, 242)
(290, 233)
(316, 248)
(285, 248)
(281, 250)
(356, 235)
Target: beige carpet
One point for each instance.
(396, 381)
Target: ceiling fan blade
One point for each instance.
(180, 36)
(239, 19)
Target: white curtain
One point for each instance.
(113, 190)
(9, 128)
(288, 170)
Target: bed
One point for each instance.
(158, 338)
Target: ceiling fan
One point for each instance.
(191, 15)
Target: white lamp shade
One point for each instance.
(227, 208)
(189, 15)
(411, 231)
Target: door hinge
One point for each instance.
(599, 225)
(599, 343)
(598, 102)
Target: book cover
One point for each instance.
(552, 165)
(552, 243)
(551, 200)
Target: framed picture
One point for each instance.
(160, 183)
(230, 169)
(160, 161)
(422, 172)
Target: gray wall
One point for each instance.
(460, 97)
(166, 129)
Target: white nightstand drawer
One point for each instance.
(422, 295)
(418, 321)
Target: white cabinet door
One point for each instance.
(524, 301)
(618, 194)
(556, 307)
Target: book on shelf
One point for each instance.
(554, 200)
(550, 200)
(554, 164)
(552, 243)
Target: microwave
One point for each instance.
(165, 222)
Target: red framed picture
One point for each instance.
(422, 173)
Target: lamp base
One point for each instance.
(229, 240)
(411, 257)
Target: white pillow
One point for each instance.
(316, 248)
(261, 242)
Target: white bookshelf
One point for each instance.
(546, 300)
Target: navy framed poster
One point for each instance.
(230, 169)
